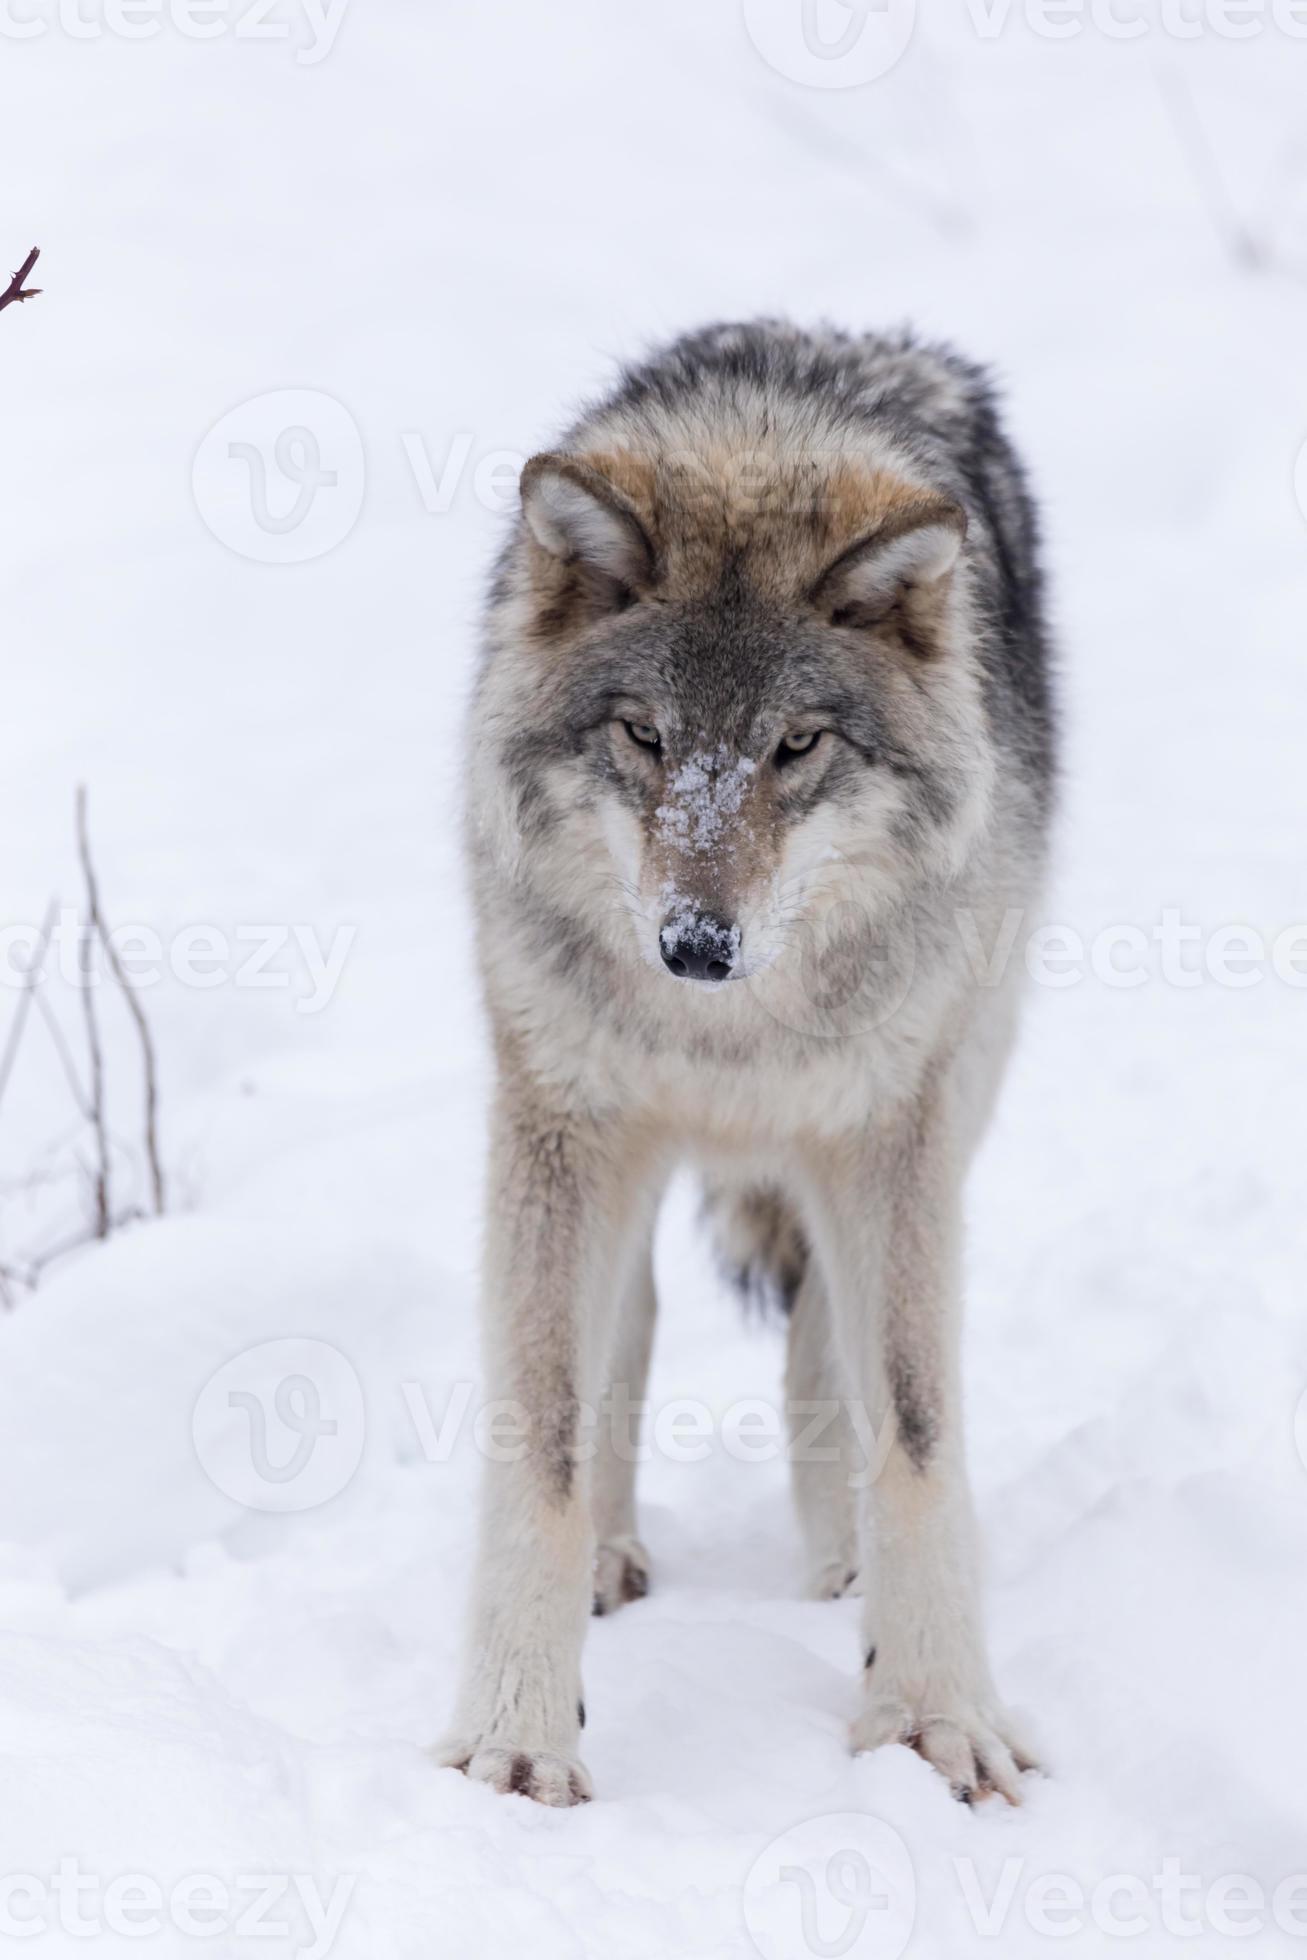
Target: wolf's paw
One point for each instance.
(974, 1747)
(537, 1773)
(621, 1574)
(835, 1580)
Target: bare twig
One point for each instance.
(96, 1163)
(100, 1174)
(31, 979)
(28, 1275)
(134, 1007)
(16, 291)
(39, 1181)
(49, 1168)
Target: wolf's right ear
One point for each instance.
(576, 515)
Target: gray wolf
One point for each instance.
(763, 714)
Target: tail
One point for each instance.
(760, 1241)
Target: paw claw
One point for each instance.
(547, 1778)
(621, 1575)
(967, 1747)
(835, 1581)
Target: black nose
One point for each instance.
(699, 947)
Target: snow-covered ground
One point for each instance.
(227, 1632)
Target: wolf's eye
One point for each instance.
(643, 735)
(794, 746)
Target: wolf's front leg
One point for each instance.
(557, 1199)
(889, 1210)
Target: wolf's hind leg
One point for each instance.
(621, 1561)
(824, 1450)
(763, 1243)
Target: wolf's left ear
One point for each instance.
(575, 514)
(913, 550)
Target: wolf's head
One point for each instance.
(734, 678)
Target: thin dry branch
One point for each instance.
(134, 1008)
(95, 1165)
(100, 1174)
(30, 1273)
(16, 292)
(31, 979)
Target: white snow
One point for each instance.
(451, 222)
